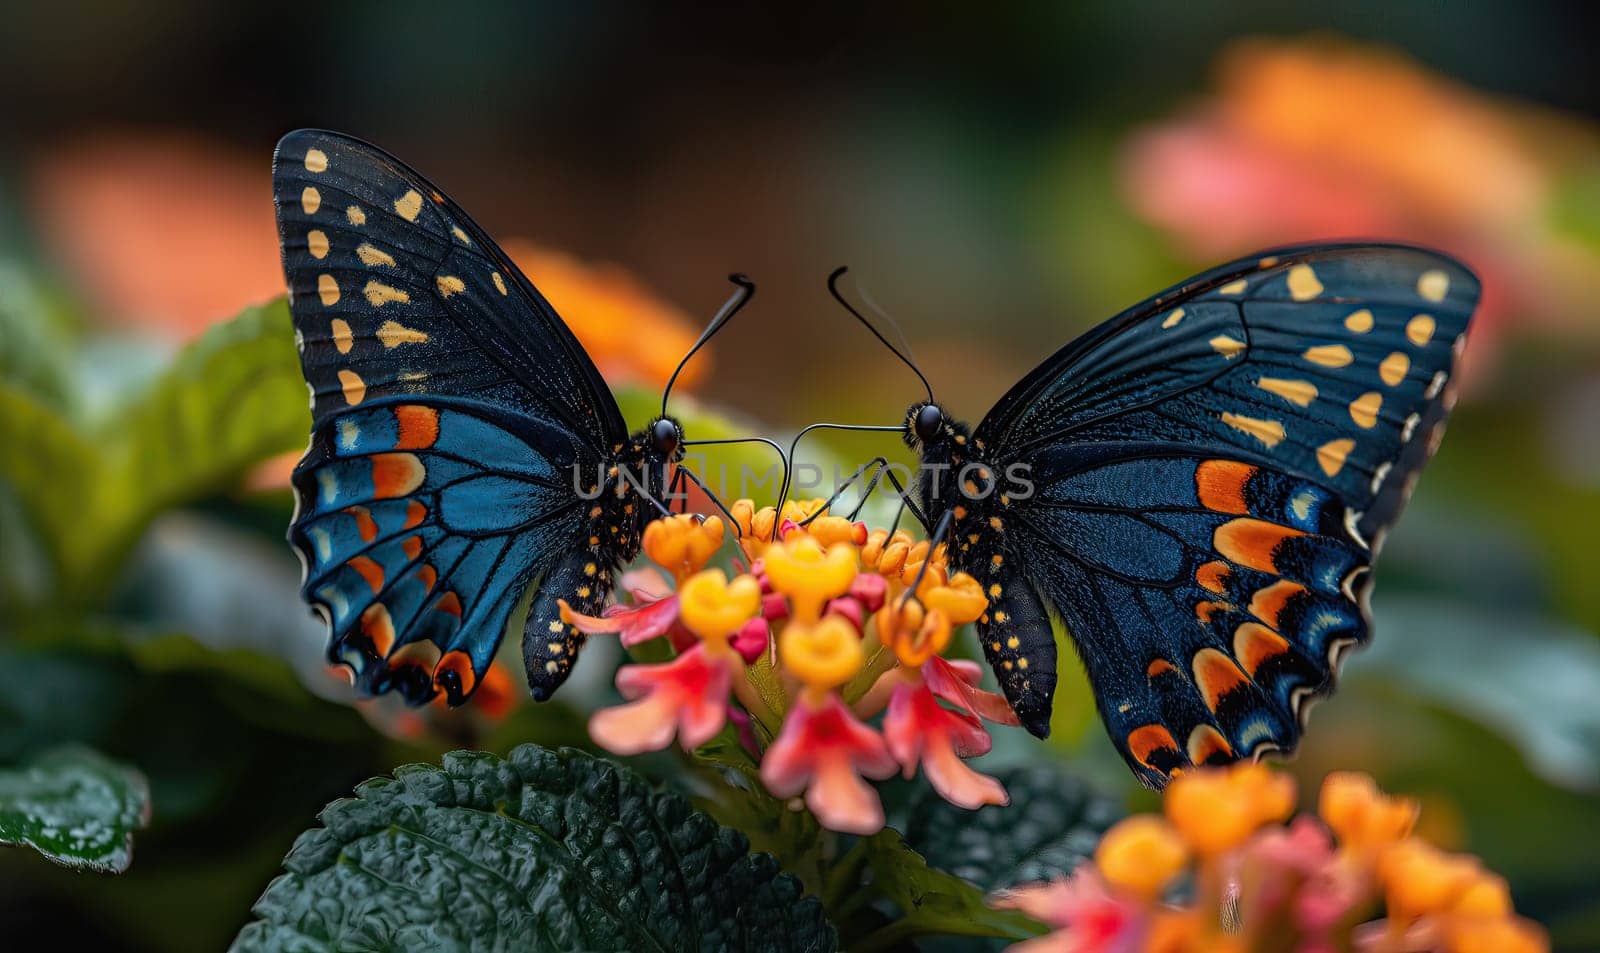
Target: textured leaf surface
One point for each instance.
(931, 902)
(543, 850)
(1053, 822)
(75, 807)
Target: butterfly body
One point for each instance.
(463, 445)
(1197, 489)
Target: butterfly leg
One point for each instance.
(1020, 646)
(550, 646)
(876, 464)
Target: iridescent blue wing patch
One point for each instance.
(1213, 472)
(450, 407)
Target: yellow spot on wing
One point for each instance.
(1394, 367)
(408, 205)
(1332, 454)
(1226, 346)
(1303, 283)
(1234, 287)
(355, 389)
(316, 161)
(1268, 261)
(1173, 318)
(1329, 355)
(379, 294)
(393, 334)
(310, 200)
(317, 243)
(1294, 391)
(1269, 432)
(328, 290)
(499, 283)
(1419, 330)
(342, 338)
(355, 216)
(458, 233)
(1364, 409)
(1433, 285)
(371, 255)
(449, 285)
(1359, 321)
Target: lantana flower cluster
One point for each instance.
(817, 634)
(1254, 883)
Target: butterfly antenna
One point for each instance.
(878, 311)
(833, 289)
(737, 300)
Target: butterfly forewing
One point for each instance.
(1212, 472)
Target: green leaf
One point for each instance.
(544, 850)
(1052, 824)
(931, 902)
(50, 470)
(234, 397)
(1527, 676)
(231, 399)
(36, 332)
(76, 807)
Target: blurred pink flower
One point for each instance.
(1083, 913)
(1323, 139)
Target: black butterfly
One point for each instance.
(1197, 489)
(463, 444)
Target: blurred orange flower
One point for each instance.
(1326, 139)
(164, 232)
(168, 233)
(1261, 885)
(629, 330)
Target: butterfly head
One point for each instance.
(928, 426)
(666, 439)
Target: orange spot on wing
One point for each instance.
(369, 570)
(1206, 742)
(423, 654)
(412, 547)
(1147, 740)
(378, 628)
(419, 427)
(449, 603)
(415, 511)
(1220, 485)
(1268, 602)
(1252, 543)
(1213, 576)
(365, 524)
(396, 474)
(1216, 675)
(1205, 610)
(459, 662)
(1159, 667)
(1254, 644)
(428, 575)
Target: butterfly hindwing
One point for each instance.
(451, 409)
(1211, 474)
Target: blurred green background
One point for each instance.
(997, 184)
